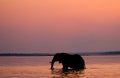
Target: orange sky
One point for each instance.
(59, 25)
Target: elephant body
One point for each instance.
(75, 62)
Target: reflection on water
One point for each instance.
(39, 67)
(57, 73)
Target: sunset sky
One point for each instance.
(28, 26)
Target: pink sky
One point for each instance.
(59, 25)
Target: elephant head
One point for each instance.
(57, 57)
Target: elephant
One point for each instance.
(74, 62)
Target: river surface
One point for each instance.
(39, 67)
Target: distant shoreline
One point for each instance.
(52, 54)
(20, 54)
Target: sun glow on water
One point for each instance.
(36, 68)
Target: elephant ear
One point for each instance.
(63, 57)
(56, 57)
(59, 57)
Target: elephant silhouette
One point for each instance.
(74, 62)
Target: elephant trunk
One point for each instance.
(52, 64)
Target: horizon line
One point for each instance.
(52, 54)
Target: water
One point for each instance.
(39, 67)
